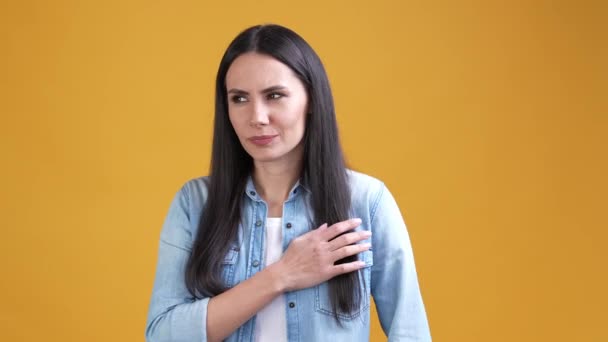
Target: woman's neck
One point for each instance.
(273, 180)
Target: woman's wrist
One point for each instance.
(277, 277)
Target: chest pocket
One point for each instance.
(323, 300)
(229, 265)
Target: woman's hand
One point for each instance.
(309, 259)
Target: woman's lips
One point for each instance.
(262, 140)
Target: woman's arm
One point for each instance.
(174, 314)
(394, 280)
(229, 310)
(308, 261)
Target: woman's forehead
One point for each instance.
(254, 71)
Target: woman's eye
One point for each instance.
(238, 99)
(274, 96)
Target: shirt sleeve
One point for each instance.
(394, 282)
(174, 314)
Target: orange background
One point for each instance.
(487, 120)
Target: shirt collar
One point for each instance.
(252, 193)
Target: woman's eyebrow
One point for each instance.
(274, 88)
(267, 90)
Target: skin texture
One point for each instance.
(309, 259)
(278, 112)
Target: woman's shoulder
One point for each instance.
(361, 180)
(181, 221)
(195, 190)
(197, 184)
(364, 187)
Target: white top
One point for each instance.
(271, 321)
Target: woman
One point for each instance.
(276, 244)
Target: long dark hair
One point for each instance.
(324, 169)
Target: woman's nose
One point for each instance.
(259, 114)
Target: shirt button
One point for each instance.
(295, 191)
(292, 305)
(258, 223)
(256, 263)
(289, 225)
(252, 193)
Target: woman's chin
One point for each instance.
(273, 154)
(268, 156)
(265, 158)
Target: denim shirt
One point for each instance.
(389, 275)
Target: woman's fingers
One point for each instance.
(339, 228)
(310, 258)
(348, 239)
(349, 250)
(347, 267)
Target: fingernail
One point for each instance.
(367, 244)
(367, 233)
(358, 220)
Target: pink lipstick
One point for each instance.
(262, 140)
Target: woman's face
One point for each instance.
(267, 106)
